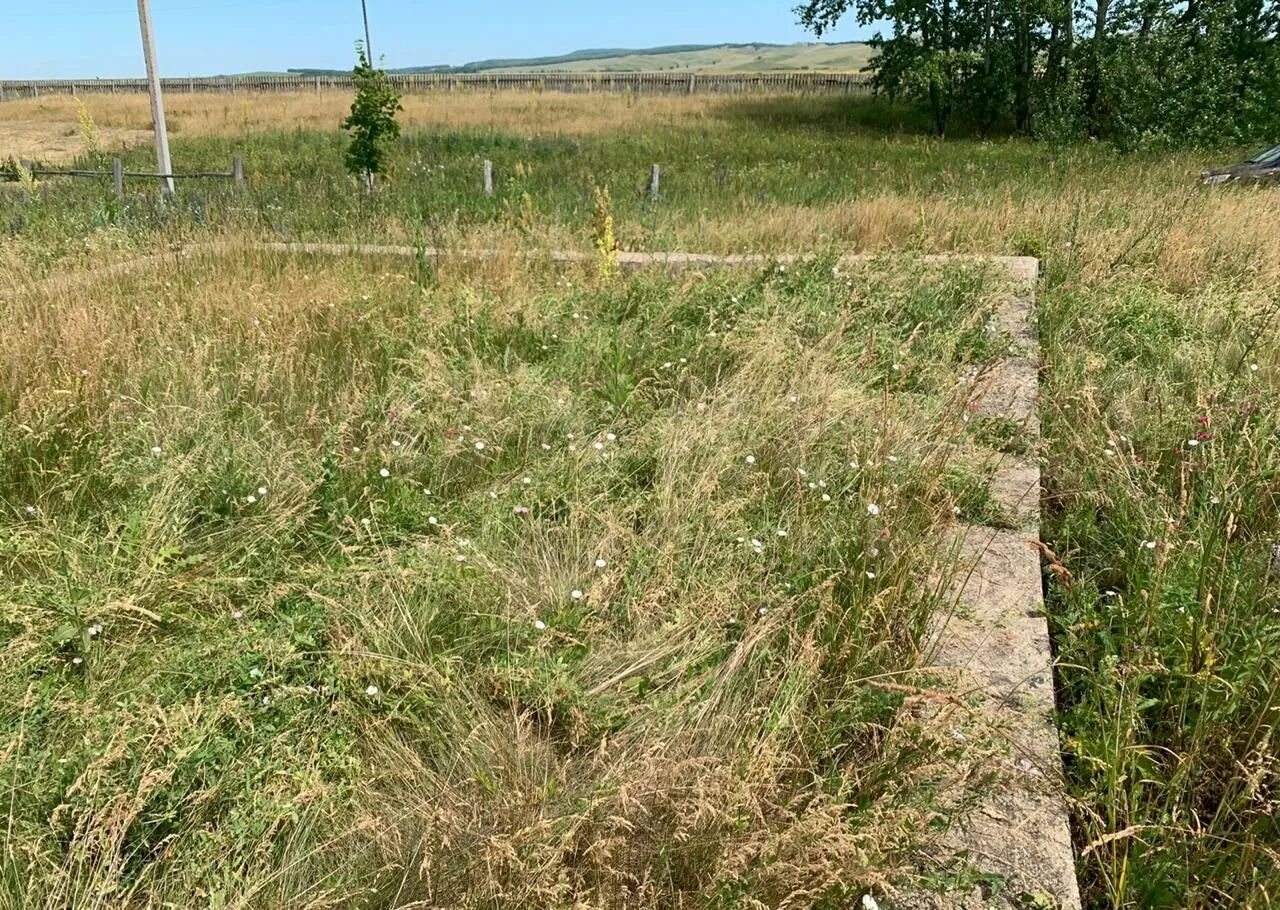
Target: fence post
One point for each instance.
(237, 171)
(654, 176)
(117, 176)
(488, 177)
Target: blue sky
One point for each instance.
(85, 38)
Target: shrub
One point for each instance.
(372, 121)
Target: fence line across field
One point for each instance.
(634, 83)
(118, 173)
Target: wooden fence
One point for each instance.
(118, 173)
(635, 83)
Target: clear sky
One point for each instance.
(85, 38)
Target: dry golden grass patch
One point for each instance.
(57, 140)
(521, 113)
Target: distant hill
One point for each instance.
(847, 57)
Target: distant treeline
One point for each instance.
(1133, 71)
(480, 66)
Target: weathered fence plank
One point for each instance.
(634, 83)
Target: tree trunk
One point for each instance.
(1022, 71)
(1053, 65)
(1093, 83)
(942, 107)
(1149, 8)
(935, 109)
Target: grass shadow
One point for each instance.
(841, 116)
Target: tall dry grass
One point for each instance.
(292, 547)
(522, 113)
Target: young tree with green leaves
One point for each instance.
(372, 121)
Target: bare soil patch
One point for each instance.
(58, 141)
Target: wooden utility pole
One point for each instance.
(368, 45)
(163, 163)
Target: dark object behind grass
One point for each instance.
(1263, 166)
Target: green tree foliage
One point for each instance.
(1137, 72)
(372, 121)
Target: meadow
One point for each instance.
(747, 58)
(421, 689)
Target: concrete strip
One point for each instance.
(996, 649)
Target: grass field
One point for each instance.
(1161, 463)
(327, 587)
(790, 58)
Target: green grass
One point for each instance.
(748, 177)
(1157, 299)
(333, 585)
(1166, 485)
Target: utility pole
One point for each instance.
(163, 163)
(368, 45)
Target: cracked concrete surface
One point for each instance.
(996, 652)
